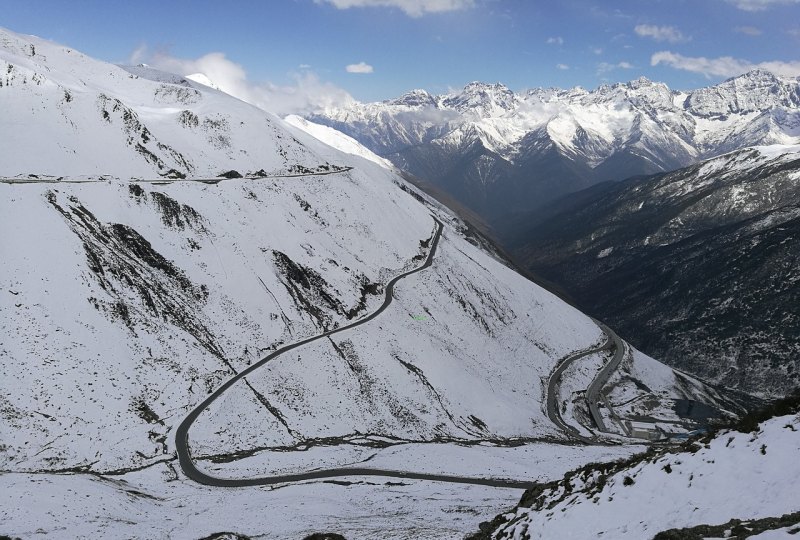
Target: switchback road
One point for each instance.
(553, 409)
(182, 433)
(593, 391)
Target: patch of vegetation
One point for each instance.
(188, 119)
(135, 191)
(735, 528)
(781, 407)
(628, 481)
(144, 412)
(225, 536)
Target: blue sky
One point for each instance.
(305, 46)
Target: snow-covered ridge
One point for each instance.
(747, 476)
(68, 115)
(336, 139)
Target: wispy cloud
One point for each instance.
(759, 5)
(558, 40)
(563, 67)
(724, 66)
(661, 33)
(361, 67)
(748, 30)
(412, 8)
(596, 50)
(306, 94)
(605, 67)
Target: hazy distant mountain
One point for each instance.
(502, 152)
(698, 267)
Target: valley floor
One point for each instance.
(159, 502)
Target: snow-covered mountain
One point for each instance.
(698, 267)
(501, 152)
(67, 115)
(697, 492)
(159, 238)
(336, 139)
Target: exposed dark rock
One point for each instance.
(174, 214)
(315, 296)
(142, 283)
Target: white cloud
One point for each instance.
(605, 67)
(138, 55)
(759, 5)
(558, 40)
(661, 33)
(412, 8)
(562, 66)
(724, 66)
(306, 94)
(596, 50)
(748, 30)
(361, 67)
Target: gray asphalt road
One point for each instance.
(182, 433)
(593, 392)
(161, 181)
(553, 409)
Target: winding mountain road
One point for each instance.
(553, 409)
(191, 471)
(593, 392)
(182, 433)
(614, 342)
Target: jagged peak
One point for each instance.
(481, 84)
(486, 97)
(415, 98)
(641, 82)
(757, 74)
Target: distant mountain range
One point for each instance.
(507, 154)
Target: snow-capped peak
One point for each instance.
(415, 98)
(485, 99)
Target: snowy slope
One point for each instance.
(747, 476)
(63, 107)
(127, 299)
(336, 139)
